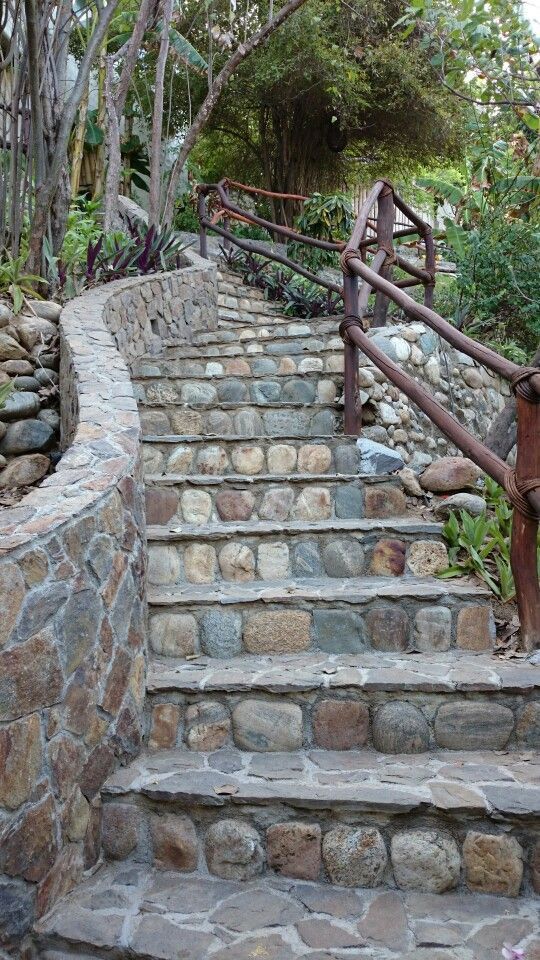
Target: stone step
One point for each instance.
(333, 615)
(406, 703)
(200, 499)
(309, 546)
(300, 388)
(251, 419)
(329, 348)
(142, 912)
(433, 822)
(231, 455)
(325, 326)
(237, 365)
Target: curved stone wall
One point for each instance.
(72, 594)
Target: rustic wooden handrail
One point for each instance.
(522, 485)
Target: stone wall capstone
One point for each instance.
(72, 595)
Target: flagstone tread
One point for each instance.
(134, 911)
(300, 673)
(480, 783)
(356, 591)
(206, 480)
(401, 526)
(150, 366)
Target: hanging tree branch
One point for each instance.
(241, 53)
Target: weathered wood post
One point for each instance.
(201, 210)
(352, 413)
(525, 521)
(385, 241)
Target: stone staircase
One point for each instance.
(336, 764)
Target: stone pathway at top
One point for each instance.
(336, 764)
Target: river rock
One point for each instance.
(460, 501)
(18, 368)
(6, 315)
(27, 436)
(34, 331)
(449, 474)
(46, 377)
(376, 458)
(47, 309)
(23, 471)
(10, 349)
(19, 404)
(26, 383)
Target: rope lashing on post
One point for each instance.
(349, 321)
(391, 256)
(349, 254)
(520, 384)
(517, 494)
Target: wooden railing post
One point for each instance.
(352, 414)
(201, 210)
(227, 244)
(524, 528)
(385, 238)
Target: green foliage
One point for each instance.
(15, 283)
(481, 545)
(185, 215)
(5, 390)
(325, 218)
(499, 282)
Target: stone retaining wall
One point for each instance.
(72, 595)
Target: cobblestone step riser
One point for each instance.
(249, 420)
(291, 455)
(263, 627)
(240, 557)
(389, 722)
(283, 347)
(240, 843)
(270, 331)
(280, 500)
(327, 361)
(306, 388)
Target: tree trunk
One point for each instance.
(241, 53)
(154, 199)
(78, 145)
(502, 435)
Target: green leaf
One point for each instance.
(456, 237)
(5, 391)
(94, 135)
(186, 52)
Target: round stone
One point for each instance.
(354, 858)
(200, 563)
(425, 860)
(466, 725)
(425, 558)
(261, 726)
(180, 460)
(343, 558)
(326, 391)
(399, 727)
(219, 423)
(233, 850)
(235, 505)
(313, 504)
(248, 460)
(26, 383)
(450, 474)
(46, 377)
(493, 863)
(528, 726)
(281, 459)
(273, 561)
(221, 634)
(340, 724)
(212, 460)
(265, 391)
(174, 634)
(207, 725)
(198, 393)
(310, 365)
(237, 563)
(238, 367)
(248, 423)
(314, 458)
(196, 506)
(277, 504)
(163, 565)
(232, 391)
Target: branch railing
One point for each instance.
(522, 483)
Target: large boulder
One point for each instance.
(450, 474)
(470, 502)
(47, 309)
